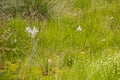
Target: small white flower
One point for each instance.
(111, 18)
(28, 30)
(32, 32)
(79, 28)
(103, 40)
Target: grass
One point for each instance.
(59, 51)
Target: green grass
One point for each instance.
(59, 51)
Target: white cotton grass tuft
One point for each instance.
(32, 32)
(79, 28)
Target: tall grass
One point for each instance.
(61, 51)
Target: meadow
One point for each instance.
(59, 39)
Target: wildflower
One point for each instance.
(32, 32)
(103, 40)
(111, 18)
(79, 28)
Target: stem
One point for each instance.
(32, 53)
